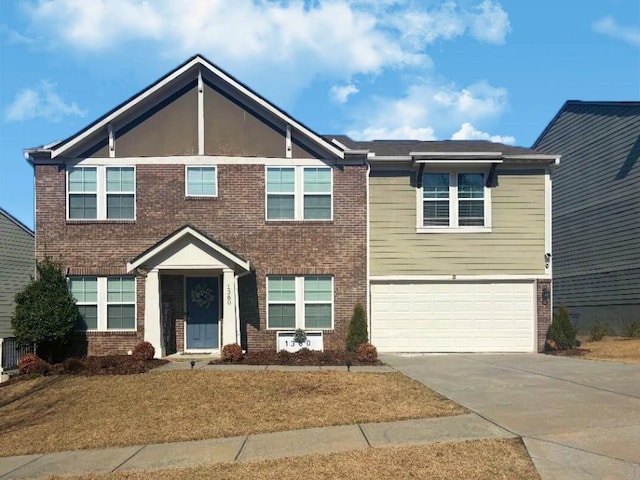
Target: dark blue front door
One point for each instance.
(202, 312)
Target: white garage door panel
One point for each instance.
(453, 317)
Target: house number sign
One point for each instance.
(228, 294)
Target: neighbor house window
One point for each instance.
(121, 303)
(299, 193)
(85, 291)
(105, 303)
(83, 192)
(101, 193)
(201, 182)
(454, 201)
(300, 302)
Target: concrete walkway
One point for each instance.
(579, 419)
(251, 448)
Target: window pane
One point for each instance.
(201, 181)
(280, 180)
(317, 207)
(121, 289)
(470, 185)
(282, 289)
(317, 316)
(82, 179)
(471, 212)
(317, 180)
(435, 185)
(435, 213)
(88, 317)
(120, 317)
(280, 207)
(120, 206)
(84, 289)
(82, 206)
(282, 316)
(317, 289)
(120, 179)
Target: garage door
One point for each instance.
(453, 317)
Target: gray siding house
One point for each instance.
(596, 211)
(17, 264)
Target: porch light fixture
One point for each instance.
(545, 295)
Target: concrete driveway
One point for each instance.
(579, 419)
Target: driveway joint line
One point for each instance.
(130, 457)
(364, 435)
(244, 442)
(6, 475)
(581, 450)
(533, 372)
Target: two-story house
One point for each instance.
(197, 214)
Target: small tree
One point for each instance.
(357, 334)
(562, 330)
(46, 313)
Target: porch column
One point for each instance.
(228, 307)
(152, 323)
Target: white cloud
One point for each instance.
(40, 102)
(430, 110)
(491, 23)
(13, 37)
(469, 132)
(609, 27)
(341, 93)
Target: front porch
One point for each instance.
(191, 293)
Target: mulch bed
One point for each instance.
(574, 352)
(307, 358)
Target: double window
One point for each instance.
(299, 193)
(454, 200)
(299, 302)
(105, 303)
(101, 193)
(201, 181)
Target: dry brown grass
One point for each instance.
(479, 460)
(613, 349)
(67, 413)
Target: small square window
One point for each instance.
(202, 182)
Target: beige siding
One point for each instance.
(515, 245)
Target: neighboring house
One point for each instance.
(596, 211)
(198, 214)
(460, 246)
(17, 265)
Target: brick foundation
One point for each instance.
(544, 314)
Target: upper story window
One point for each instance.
(201, 181)
(101, 193)
(300, 302)
(454, 202)
(299, 193)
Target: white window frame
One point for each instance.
(186, 180)
(70, 192)
(300, 303)
(298, 195)
(454, 226)
(102, 303)
(101, 193)
(107, 303)
(85, 303)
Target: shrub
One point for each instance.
(562, 331)
(367, 353)
(232, 353)
(31, 363)
(285, 357)
(631, 330)
(598, 331)
(143, 351)
(357, 334)
(73, 365)
(46, 313)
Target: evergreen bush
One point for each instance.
(562, 331)
(357, 333)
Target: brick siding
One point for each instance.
(544, 315)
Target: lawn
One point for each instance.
(612, 349)
(479, 460)
(60, 413)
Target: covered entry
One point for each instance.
(190, 273)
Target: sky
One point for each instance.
(386, 69)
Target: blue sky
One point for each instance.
(420, 69)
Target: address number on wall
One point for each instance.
(312, 342)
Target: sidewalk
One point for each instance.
(252, 448)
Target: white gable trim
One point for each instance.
(188, 231)
(170, 78)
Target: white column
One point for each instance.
(152, 320)
(228, 307)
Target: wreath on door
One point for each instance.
(202, 296)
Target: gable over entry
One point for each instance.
(192, 254)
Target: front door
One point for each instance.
(202, 313)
